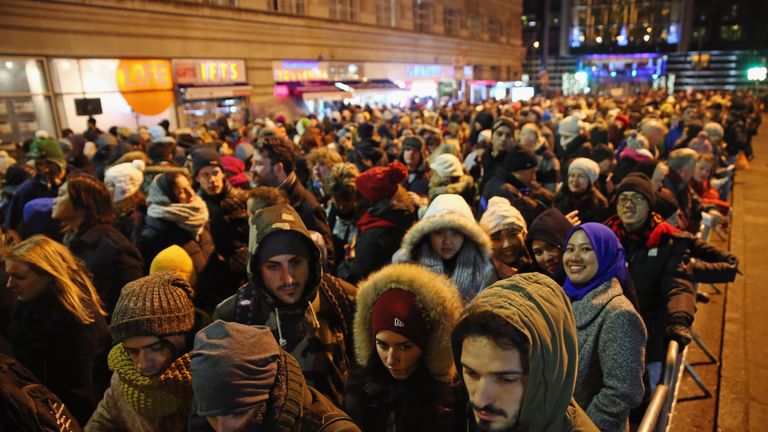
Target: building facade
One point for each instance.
(187, 61)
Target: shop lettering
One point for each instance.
(218, 72)
(140, 75)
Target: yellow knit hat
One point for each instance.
(176, 259)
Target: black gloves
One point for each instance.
(680, 334)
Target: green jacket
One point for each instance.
(317, 328)
(539, 309)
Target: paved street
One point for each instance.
(733, 324)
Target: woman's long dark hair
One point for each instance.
(166, 183)
(92, 196)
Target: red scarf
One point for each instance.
(650, 236)
(368, 221)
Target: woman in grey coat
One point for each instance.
(610, 331)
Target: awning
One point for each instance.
(222, 92)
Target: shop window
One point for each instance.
(731, 32)
(452, 21)
(25, 101)
(290, 7)
(475, 25)
(422, 16)
(344, 10)
(386, 13)
(494, 29)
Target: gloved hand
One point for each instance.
(680, 334)
(732, 260)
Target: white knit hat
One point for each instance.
(452, 203)
(590, 168)
(501, 214)
(447, 165)
(126, 178)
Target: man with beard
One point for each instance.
(273, 165)
(515, 348)
(308, 311)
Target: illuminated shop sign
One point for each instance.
(209, 72)
(306, 70)
(143, 75)
(423, 70)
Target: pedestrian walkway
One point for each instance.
(733, 325)
(743, 395)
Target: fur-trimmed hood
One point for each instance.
(442, 220)
(438, 299)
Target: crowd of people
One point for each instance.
(504, 266)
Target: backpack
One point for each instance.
(27, 405)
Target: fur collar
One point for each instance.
(470, 229)
(436, 295)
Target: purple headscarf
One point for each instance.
(611, 262)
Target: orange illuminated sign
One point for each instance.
(147, 85)
(209, 72)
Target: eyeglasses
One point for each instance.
(635, 199)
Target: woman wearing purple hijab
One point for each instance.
(610, 331)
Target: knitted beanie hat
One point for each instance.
(447, 165)
(550, 226)
(590, 168)
(204, 156)
(379, 183)
(503, 121)
(519, 160)
(234, 367)
(234, 169)
(156, 305)
(640, 183)
(570, 126)
(126, 179)
(501, 214)
(666, 203)
(701, 143)
(174, 258)
(48, 149)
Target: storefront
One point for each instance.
(130, 92)
(25, 99)
(317, 87)
(209, 89)
(417, 80)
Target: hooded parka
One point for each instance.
(538, 309)
(316, 329)
(429, 400)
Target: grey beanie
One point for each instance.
(233, 367)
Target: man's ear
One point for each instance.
(278, 168)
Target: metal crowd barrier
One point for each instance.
(658, 415)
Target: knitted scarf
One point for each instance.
(191, 216)
(157, 397)
(649, 236)
(470, 270)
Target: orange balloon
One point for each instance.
(146, 85)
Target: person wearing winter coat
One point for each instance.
(344, 210)
(507, 230)
(176, 215)
(516, 350)
(502, 142)
(264, 392)
(129, 202)
(414, 157)
(273, 165)
(611, 333)
(382, 226)
(228, 222)
(682, 164)
(51, 172)
(581, 193)
(448, 241)
(657, 257)
(448, 177)
(548, 171)
(308, 311)
(516, 181)
(407, 381)
(57, 329)
(546, 242)
(152, 326)
(84, 209)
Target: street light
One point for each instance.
(757, 73)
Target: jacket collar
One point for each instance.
(587, 309)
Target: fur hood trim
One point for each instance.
(471, 229)
(438, 299)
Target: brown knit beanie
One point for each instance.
(156, 305)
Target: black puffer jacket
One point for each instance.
(381, 229)
(110, 257)
(65, 355)
(158, 234)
